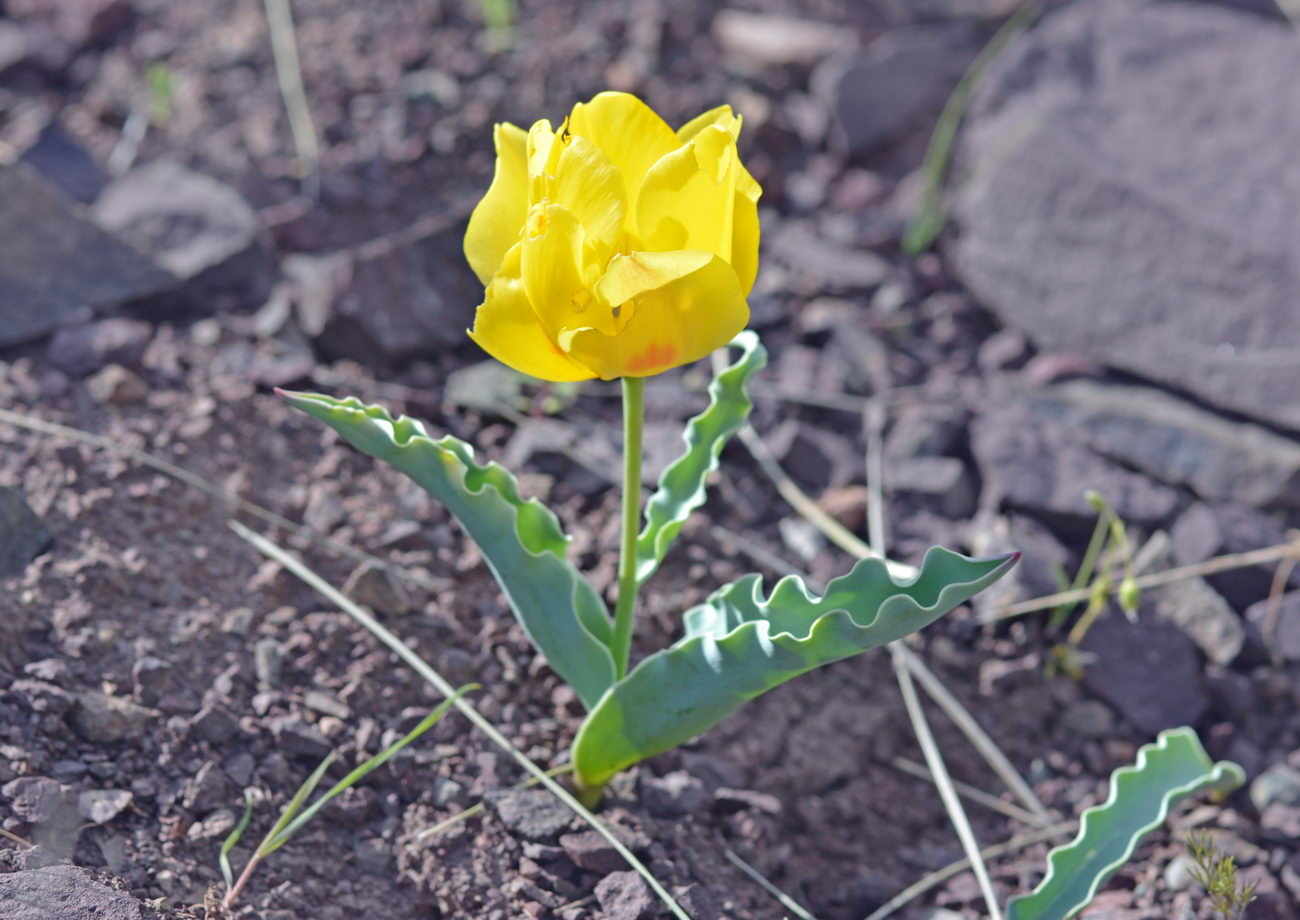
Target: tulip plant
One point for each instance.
(615, 247)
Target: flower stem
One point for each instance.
(633, 412)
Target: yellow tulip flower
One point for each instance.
(615, 246)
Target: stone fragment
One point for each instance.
(769, 40)
(99, 806)
(152, 678)
(1203, 614)
(376, 588)
(85, 348)
(54, 263)
(590, 851)
(1278, 625)
(1279, 784)
(50, 808)
(372, 855)
(268, 662)
(116, 385)
(625, 896)
(534, 814)
(199, 229)
(1129, 197)
(943, 483)
(402, 297)
(729, 801)
(101, 718)
(898, 83)
(23, 535)
(214, 725)
(297, 737)
(1204, 531)
(1031, 463)
(1177, 442)
(207, 789)
(62, 893)
(819, 265)
(1147, 671)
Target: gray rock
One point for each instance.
(62, 893)
(1147, 671)
(319, 701)
(23, 535)
(533, 814)
(819, 265)
(1201, 612)
(401, 297)
(99, 717)
(1279, 784)
(1028, 461)
(1278, 626)
(84, 348)
(197, 228)
(1178, 442)
(65, 163)
(51, 809)
(897, 83)
(625, 896)
(1130, 197)
(218, 824)
(54, 263)
(99, 806)
(448, 792)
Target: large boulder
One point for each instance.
(1130, 195)
(54, 263)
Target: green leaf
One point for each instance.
(223, 858)
(682, 485)
(521, 540)
(1140, 797)
(738, 646)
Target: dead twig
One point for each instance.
(785, 900)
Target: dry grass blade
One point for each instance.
(425, 670)
(1275, 553)
(975, 794)
(288, 73)
(943, 782)
(938, 877)
(786, 901)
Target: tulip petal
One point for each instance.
(631, 133)
(589, 187)
(506, 327)
(495, 224)
(725, 118)
(688, 198)
(554, 254)
(744, 240)
(690, 315)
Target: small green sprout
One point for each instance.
(1216, 871)
(161, 84)
(293, 817)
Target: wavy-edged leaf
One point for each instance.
(521, 540)
(682, 484)
(739, 645)
(1173, 767)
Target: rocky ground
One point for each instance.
(1112, 307)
